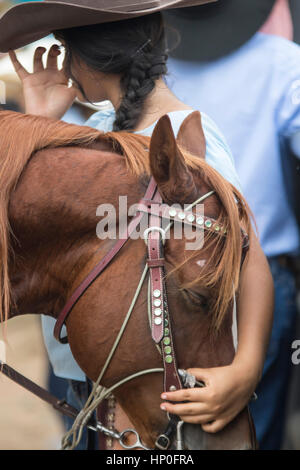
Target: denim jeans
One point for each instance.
(269, 410)
(77, 395)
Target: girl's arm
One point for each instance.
(229, 388)
(255, 307)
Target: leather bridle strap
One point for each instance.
(160, 319)
(99, 268)
(155, 263)
(60, 405)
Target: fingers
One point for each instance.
(185, 394)
(38, 65)
(200, 374)
(37, 59)
(214, 426)
(53, 54)
(20, 70)
(203, 419)
(186, 409)
(195, 413)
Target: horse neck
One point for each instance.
(53, 217)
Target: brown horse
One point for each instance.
(53, 177)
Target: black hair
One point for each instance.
(135, 48)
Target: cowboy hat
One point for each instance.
(28, 22)
(218, 29)
(295, 10)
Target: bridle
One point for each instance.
(158, 312)
(159, 322)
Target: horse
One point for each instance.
(53, 177)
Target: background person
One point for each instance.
(246, 80)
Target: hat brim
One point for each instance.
(28, 22)
(216, 30)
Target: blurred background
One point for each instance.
(25, 421)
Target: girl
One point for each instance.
(125, 62)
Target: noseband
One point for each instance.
(158, 312)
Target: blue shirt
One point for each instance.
(218, 155)
(253, 95)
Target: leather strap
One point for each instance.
(154, 263)
(164, 440)
(32, 387)
(156, 273)
(161, 323)
(171, 378)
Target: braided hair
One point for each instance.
(135, 49)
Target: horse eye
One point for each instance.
(196, 298)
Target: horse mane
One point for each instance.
(23, 134)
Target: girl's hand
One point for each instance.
(46, 91)
(227, 391)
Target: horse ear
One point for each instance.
(191, 136)
(174, 179)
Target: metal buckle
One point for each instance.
(155, 229)
(162, 442)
